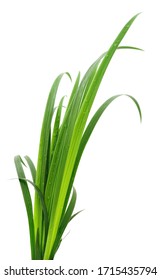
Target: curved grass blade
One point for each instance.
(32, 167)
(137, 105)
(74, 215)
(88, 133)
(129, 47)
(28, 202)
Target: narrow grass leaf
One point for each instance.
(38, 252)
(129, 47)
(28, 202)
(56, 125)
(32, 167)
(137, 105)
(41, 197)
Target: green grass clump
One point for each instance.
(60, 151)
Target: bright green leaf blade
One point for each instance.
(28, 202)
(64, 222)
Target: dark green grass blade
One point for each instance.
(74, 215)
(28, 202)
(43, 152)
(137, 105)
(41, 197)
(76, 138)
(67, 216)
(38, 252)
(32, 167)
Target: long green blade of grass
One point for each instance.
(28, 202)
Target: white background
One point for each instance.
(118, 182)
